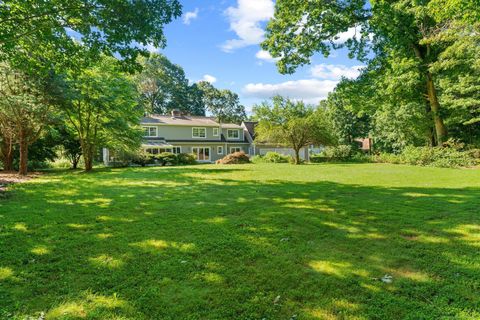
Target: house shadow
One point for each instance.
(179, 246)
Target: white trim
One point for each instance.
(209, 153)
(216, 130)
(200, 137)
(218, 148)
(228, 134)
(149, 127)
(236, 148)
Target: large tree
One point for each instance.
(163, 87)
(222, 103)
(100, 104)
(292, 124)
(24, 110)
(381, 30)
(37, 33)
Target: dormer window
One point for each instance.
(233, 134)
(149, 131)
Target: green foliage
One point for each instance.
(141, 157)
(186, 158)
(292, 124)
(163, 87)
(37, 34)
(445, 157)
(234, 158)
(222, 103)
(274, 157)
(166, 158)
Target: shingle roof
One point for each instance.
(250, 125)
(180, 120)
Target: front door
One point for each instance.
(202, 153)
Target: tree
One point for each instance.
(223, 104)
(101, 105)
(8, 138)
(292, 124)
(163, 87)
(37, 33)
(385, 28)
(24, 109)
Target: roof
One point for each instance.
(180, 120)
(156, 144)
(231, 126)
(250, 125)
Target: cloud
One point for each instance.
(245, 21)
(308, 90)
(265, 56)
(189, 16)
(209, 78)
(335, 71)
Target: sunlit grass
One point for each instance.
(243, 242)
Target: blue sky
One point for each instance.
(219, 41)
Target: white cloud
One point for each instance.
(189, 16)
(335, 71)
(209, 78)
(245, 21)
(308, 90)
(265, 56)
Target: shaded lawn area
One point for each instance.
(243, 242)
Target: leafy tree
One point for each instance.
(223, 104)
(100, 104)
(292, 124)
(24, 108)
(37, 33)
(8, 139)
(164, 87)
(388, 29)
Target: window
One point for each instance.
(149, 131)
(220, 150)
(235, 149)
(199, 132)
(215, 132)
(233, 134)
(155, 151)
(201, 153)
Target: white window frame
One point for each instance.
(215, 132)
(165, 149)
(199, 128)
(233, 130)
(220, 150)
(237, 149)
(209, 153)
(149, 135)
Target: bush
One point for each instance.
(186, 158)
(274, 157)
(338, 152)
(234, 158)
(142, 158)
(258, 159)
(445, 157)
(166, 158)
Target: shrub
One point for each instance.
(186, 158)
(427, 156)
(258, 159)
(166, 158)
(338, 152)
(234, 158)
(141, 158)
(274, 157)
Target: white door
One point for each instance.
(202, 153)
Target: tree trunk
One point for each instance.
(440, 129)
(7, 154)
(23, 167)
(297, 156)
(75, 160)
(88, 158)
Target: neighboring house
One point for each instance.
(204, 137)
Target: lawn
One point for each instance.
(243, 242)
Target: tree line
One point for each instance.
(420, 85)
(72, 77)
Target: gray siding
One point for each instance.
(225, 134)
(171, 132)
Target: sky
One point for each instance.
(218, 41)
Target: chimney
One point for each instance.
(176, 113)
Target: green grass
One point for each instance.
(243, 242)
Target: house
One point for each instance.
(206, 138)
